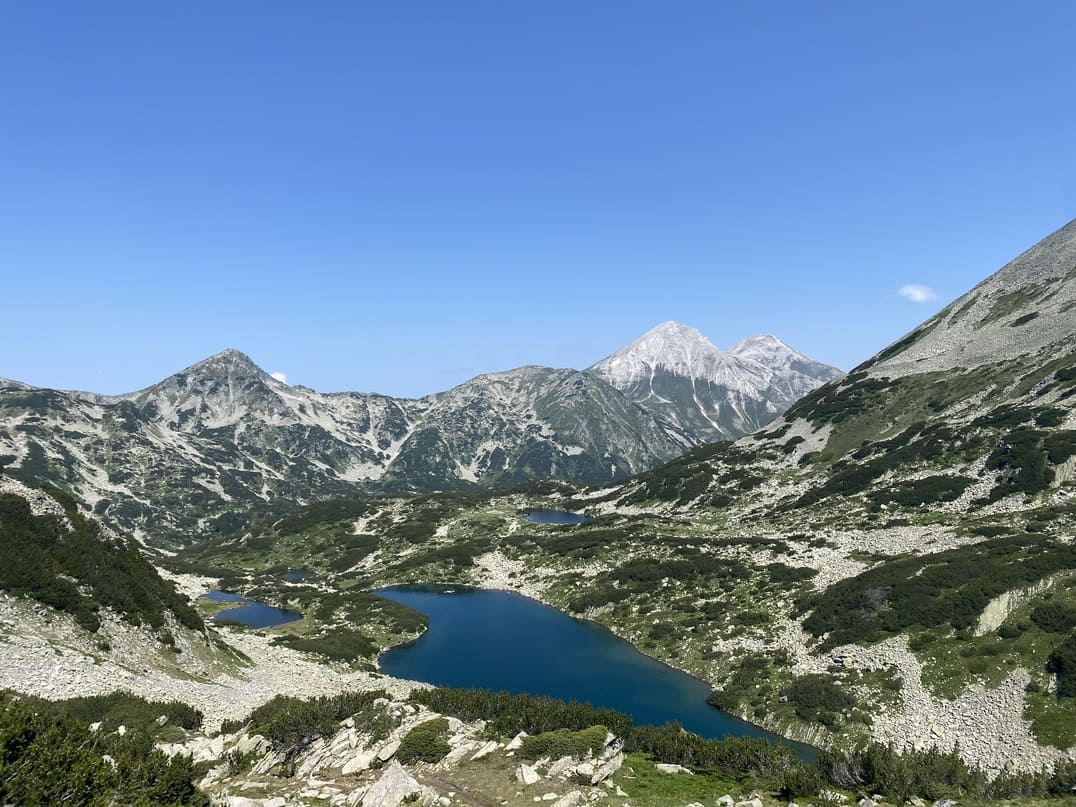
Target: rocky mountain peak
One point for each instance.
(670, 346)
(709, 393)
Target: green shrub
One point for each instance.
(337, 645)
(1062, 663)
(426, 742)
(1054, 617)
(291, 724)
(565, 743)
(48, 756)
(945, 588)
(817, 699)
(40, 555)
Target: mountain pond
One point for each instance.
(555, 517)
(251, 613)
(503, 641)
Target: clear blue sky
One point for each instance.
(398, 196)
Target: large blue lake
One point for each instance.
(497, 640)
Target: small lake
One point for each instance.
(296, 575)
(498, 640)
(251, 613)
(554, 517)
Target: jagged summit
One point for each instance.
(705, 393)
(679, 349)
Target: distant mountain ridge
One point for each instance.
(222, 437)
(707, 393)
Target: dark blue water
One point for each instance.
(496, 640)
(251, 613)
(554, 517)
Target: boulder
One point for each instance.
(516, 742)
(725, 801)
(486, 750)
(386, 752)
(392, 788)
(251, 743)
(526, 774)
(607, 770)
(560, 767)
(569, 799)
(358, 763)
(755, 802)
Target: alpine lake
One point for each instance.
(503, 641)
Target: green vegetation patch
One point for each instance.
(1023, 460)
(78, 570)
(817, 699)
(426, 742)
(292, 724)
(928, 490)
(48, 755)
(1062, 663)
(947, 588)
(336, 645)
(565, 743)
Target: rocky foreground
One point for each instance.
(352, 767)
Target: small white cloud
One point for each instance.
(279, 376)
(917, 293)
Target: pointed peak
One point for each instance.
(767, 342)
(230, 355)
(229, 361)
(675, 329)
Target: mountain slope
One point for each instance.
(703, 393)
(194, 452)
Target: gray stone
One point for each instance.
(485, 750)
(569, 799)
(526, 774)
(516, 742)
(560, 767)
(386, 752)
(607, 770)
(392, 788)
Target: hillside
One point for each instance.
(892, 560)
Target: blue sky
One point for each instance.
(398, 196)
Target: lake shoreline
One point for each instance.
(802, 749)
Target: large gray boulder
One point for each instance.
(392, 788)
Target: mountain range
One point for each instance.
(201, 450)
